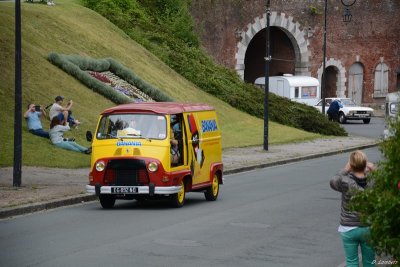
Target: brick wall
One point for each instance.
(373, 33)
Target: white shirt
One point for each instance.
(55, 110)
(56, 133)
(344, 229)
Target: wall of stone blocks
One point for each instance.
(372, 36)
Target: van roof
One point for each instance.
(158, 108)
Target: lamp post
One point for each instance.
(267, 60)
(324, 62)
(18, 99)
(347, 13)
(347, 16)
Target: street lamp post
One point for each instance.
(324, 62)
(266, 91)
(18, 99)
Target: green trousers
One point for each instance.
(351, 241)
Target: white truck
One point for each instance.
(303, 89)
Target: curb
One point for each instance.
(52, 204)
(291, 160)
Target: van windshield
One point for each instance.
(148, 126)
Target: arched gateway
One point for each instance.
(293, 32)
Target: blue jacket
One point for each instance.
(334, 107)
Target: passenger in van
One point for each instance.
(132, 128)
(115, 127)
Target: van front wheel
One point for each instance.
(107, 201)
(211, 193)
(178, 199)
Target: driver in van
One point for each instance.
(175, 130)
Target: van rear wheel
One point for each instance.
(107, 201)
(178, 199)
(211, 193)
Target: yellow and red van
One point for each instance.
(156, 149)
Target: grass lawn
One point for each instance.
(69, 28)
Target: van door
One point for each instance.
(178, 144)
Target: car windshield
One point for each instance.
(148, 126)
(348, 103)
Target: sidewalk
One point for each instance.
(46, 188)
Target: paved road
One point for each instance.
(372, 130)
(279, 216)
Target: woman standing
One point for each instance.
(354, 234)
(56, 136)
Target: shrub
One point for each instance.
(380, 206)
(76, 66)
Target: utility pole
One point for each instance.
(18, 99)
(324, 63)
(267, 61)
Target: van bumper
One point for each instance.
(134, 190)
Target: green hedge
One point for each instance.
(77, 66)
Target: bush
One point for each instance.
(76, 66)
(380, 206)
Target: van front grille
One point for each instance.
(127, 172)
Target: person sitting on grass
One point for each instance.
(32, 116)
(63, 113)
(57, 137)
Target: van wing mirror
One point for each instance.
(89, 136)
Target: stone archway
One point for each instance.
(291, 28)
(341, 76)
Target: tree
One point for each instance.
(379, 206)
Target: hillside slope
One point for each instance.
(69, 28)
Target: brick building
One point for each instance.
(362, 56)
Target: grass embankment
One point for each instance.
(69, 28)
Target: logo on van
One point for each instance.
(129, 143)
(208, 126)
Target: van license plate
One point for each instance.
(124, 190)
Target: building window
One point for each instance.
(381, 80)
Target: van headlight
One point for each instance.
(100, 166)
(153, 166)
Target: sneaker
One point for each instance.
(88, 151)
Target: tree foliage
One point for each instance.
(380, 206)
